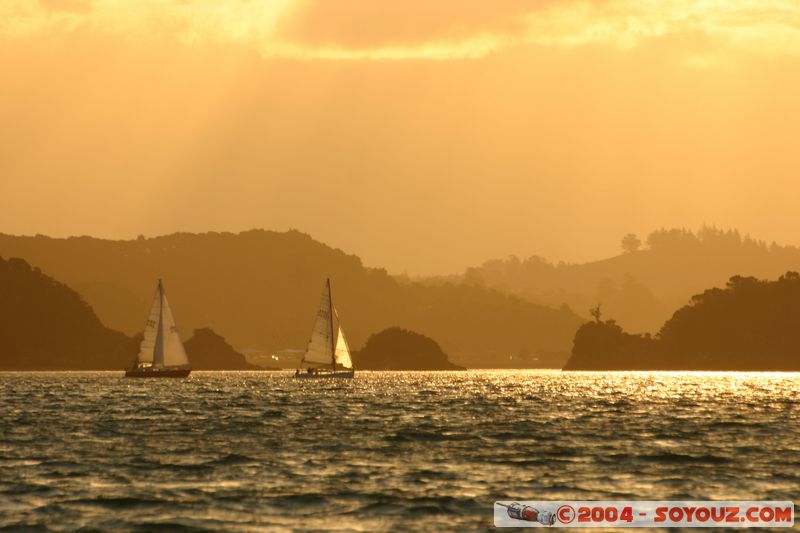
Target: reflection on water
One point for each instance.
(243, 451)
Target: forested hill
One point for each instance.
(642, 286)
(750, 324)
(260, 290)
(46, 325)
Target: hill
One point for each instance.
(749, 325)
(400, 349)
(642, 286)
(45, 325)
(260, 290)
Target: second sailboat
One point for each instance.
(327, 354)
(161, 353)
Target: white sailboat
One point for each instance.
(327, 354)
(161, 354)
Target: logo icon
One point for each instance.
(527, 513)
(565, 514)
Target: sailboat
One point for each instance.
(327, 355)
(161, 354)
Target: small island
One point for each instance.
(750, 325)
(209, 351)
(400, 349)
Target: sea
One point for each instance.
(386, 451)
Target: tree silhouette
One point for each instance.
(630, 243)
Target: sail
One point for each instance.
(343, 351)
(151, 329)
(320, 346)
(161, 345)
(173, 353)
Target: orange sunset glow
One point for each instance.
(399, 265)
(424, 136)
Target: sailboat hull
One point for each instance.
(327, 375)
(157, 372)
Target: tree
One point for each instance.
(630, 243)
(595, 312)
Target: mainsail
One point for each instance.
(151, 330)
(161, 345)
(320, 345)
(321, 348)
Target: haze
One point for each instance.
(422, 136)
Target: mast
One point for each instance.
(158, 349)
(330, 317)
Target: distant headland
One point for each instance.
(45, 325)
(750, 324)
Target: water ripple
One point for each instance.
(388, 451)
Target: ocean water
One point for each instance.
(391, 451)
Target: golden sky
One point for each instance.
(423, 136)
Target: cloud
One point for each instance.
(67, 5)
(187, 21)
(759, 25)
(416, 29)
(364, 24)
